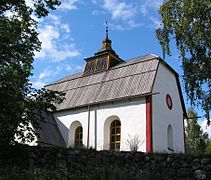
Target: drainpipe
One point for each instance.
(184, 119)
(96, 128)
(88, 127)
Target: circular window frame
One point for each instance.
(169, 101)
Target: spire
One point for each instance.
(107, 42)
(106, 24)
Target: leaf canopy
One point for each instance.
(20, 104)
(188, 22)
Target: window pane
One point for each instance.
(118, 130)
(78, 136)
(115, 135)
(118, 146)
(112, 146)
(118, 138)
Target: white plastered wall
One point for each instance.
(162, 116)
(131, 113)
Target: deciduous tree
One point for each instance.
(196, 139)
(188, 22)
(20, 104)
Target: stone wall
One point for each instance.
(166, 166)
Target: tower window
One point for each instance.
(101, 63)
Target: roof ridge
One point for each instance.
(121, 65)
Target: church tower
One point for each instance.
(104, 59)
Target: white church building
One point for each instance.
(113, 103)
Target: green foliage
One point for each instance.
(208, 148)
(195, 138)
(188, 22)
(20, 104)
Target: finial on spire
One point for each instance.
(106, 24)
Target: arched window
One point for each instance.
(78, 137)
(115, 135)
(170, 138)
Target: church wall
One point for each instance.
(165, 83)
(131, 113)
(65, 119)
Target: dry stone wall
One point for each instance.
(166, 166)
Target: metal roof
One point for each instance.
(131, 78)
(48, 131)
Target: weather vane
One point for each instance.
(106, 25)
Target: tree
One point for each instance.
(188, 22)
(20, 104)
(208, 148)
(195, 138)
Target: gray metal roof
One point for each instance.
(49, 133)
(131, 78)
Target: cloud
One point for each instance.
(148, 8)
(68, 5)
(150, 5)
(155, 21)
(205, 128)
(50, 73)
(126, 15)
(123, 14)
(47, 36)
(119, 10)
(38, 84)
(57, 45)
(124, 26)
(67, 51)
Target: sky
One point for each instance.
(76, 29)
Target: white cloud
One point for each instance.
(126, 14)
(147, 8)
(49, 73)
(150, 5)
(68, 51)
(119, 10)
(205, 128)
(156, 22)
(124, 26)
(57, 45)
(47, 36)
(45, 73)
(68, 5)
(38, 84)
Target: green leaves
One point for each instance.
(195, 138)
(189, 23)
(21, 104)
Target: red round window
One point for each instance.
(169, 101)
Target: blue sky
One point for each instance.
(76, 29)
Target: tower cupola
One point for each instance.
(104, 59)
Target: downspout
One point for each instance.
(95, 128)
(88, 127)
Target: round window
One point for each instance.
(169, 101)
